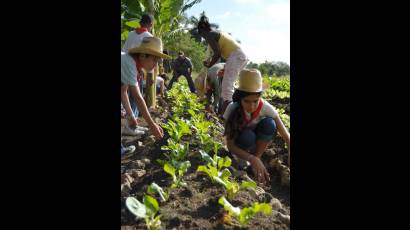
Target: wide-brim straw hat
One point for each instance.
(250, 80)
(200, 83)
(150, 45)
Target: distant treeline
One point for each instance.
(271, 68)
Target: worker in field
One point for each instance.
(208, 84)
(182, 65)
(223, 45)
(251, 123)
(133, 40)
(145, 56)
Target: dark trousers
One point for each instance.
(187, 77)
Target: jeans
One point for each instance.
(133, 103)
(122, 149)
(265, 131)
(188, 78)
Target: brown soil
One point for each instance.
(196, 205)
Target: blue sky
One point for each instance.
(262, 26)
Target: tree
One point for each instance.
(252, 65)
(166, 14)
(183, 41)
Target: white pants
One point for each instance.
(234, 64)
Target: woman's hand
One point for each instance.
(259, 170)
(157, 131)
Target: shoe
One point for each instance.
(142, 128)
(132, 132)
(129, 139)
(129, 149)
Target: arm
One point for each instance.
(213, 43)
(233, 148)
(155, 129)
(189, 66)
(284, 134)
(258, 168)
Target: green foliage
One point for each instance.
(147, 210)
(154, 188)
(272, 68)
(177, 172)
(177, 129)
(278, 83)
(216, 169)
(245, 214)
(182, 41)
(178, 152)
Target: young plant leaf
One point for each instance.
(154, 188)
(136, 207)
(206, 157)
(151, 205)
(170, 170)
(235, 211)
(248, 184)
(247, 213)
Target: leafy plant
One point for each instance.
(178, 152)
(245, 214)
(147, 210)
(217, 171)
(177, 172)
(177, 129)
(154, 188)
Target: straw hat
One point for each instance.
(150, 45)
(250, 80)
(200, 83)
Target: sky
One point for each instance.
(262, 26)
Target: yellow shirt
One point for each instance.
(227, 45)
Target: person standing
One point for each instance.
(182, 66)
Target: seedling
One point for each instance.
(245, 214)
(177, 172)
(147, 210)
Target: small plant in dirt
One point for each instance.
(147, 210)
(177, 152)
(154, 188)
(177, 129)
(177, 172)
(245, 214)
(217, 170)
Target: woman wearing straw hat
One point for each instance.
(208, 83)
(251, 123)
(223, 45)
(145, 57)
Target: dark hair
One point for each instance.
(181, 53)
(146, 19)
(235, 123)
(203, 24)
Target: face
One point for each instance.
(250, 103)
(148, 62)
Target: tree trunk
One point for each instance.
(151, 90)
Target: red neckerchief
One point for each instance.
(254, 114)
(141, 30)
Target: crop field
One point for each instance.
(189, 180)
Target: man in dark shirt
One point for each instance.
(182, 66)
